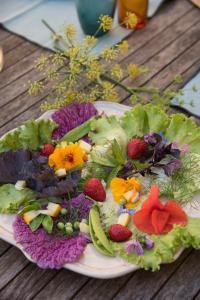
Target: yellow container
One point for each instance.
(138, 7)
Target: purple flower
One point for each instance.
(183, 149)
(172, 166)
(149, 243)
(134, 246)
(71, 116)
(122, 210)
(46, 250)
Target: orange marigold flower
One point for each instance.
(128, 190)
(67, 157)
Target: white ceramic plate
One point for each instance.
(92, 263)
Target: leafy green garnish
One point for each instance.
(184, 183)
(11, 199)
(36, 222)
(32, 135)
(113, 174)
(47, 224)
(118, 152)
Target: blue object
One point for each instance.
(89, 12)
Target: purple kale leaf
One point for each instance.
(71, 116)
(34, 169)
(11, 163)
(172, 166)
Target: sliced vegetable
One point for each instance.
(47, 224)
(54, 209)
(20, 185)
(78, 132)
(85, 146)
(36, 222)
(30, 215)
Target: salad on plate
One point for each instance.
(127, 186)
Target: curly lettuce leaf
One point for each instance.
(135, 122)
(11, 199)
(165, 247)
(158, 120)
(149, 118)
(107, 129)
(32, 135)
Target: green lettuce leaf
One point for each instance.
(11, 199)
(165, 247)
(149, 118)
(32, 135)
(158, 120)
(135, 122)
(107, 129)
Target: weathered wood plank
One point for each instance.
(141, 285)
(4, 247)
(192, 16)
(20, 52)
(19, 69)
(63, 286)
(197, 297)
(27, 284)
(18, 87)
(164, 39)
(180, 65)
(184, 284)
(159, 23)
(3, 33)
(11, 263)
(165, 65)
(11, 42)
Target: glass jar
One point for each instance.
(138, 7)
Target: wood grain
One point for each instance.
(11, 263)
(63, 286)
(27, 284)
(176, 287)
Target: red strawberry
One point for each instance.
(119, 233)
(47, 149)
(94, 189)
(136, 148)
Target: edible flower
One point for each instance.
(149, 243)
(183, 149)
(154, 217)
(67, 157)
(128, 189)
(134, 246)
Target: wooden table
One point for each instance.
(169, 45)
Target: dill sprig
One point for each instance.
(77, 74)
(185, 182)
